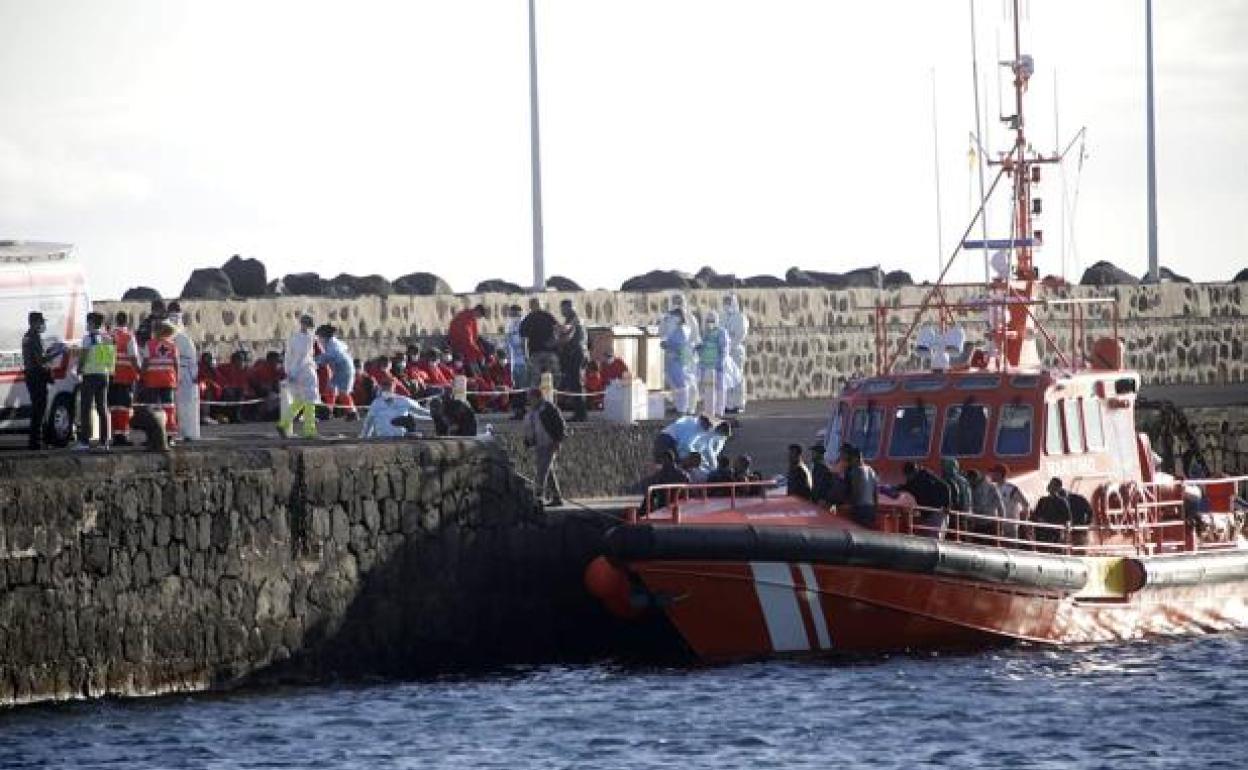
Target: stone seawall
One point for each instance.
(805, 342)
(137, 574)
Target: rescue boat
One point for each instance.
(747, 571)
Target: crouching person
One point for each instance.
(390, 415)
(544, 431)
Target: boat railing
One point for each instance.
(672, 496)
(1152, 523)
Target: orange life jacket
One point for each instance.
(161, 370)
(127, 370)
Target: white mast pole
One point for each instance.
(1150, 140)
(539, 256)
(979, 144)
(940, 237)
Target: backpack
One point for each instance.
(552, 421)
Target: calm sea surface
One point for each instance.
(1178, 704)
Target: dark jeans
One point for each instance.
(93, 394)
(574, 382)
(37, 386)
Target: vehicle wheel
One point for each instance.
(59, 428)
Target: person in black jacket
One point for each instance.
(669, 473)
(544, 432)
(452, 416)
(931, 493)
(1053, 508)
(827, 486)
(38, 375)
(799, 474)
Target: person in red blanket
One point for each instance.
(365, 388)
(594, 384)
(436, 376)
(235, 379)
(266, 382)
(498, 372)
(612, 369)
(465, 339)
(209, 381)
(379, 370)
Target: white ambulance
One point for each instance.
(48, 278)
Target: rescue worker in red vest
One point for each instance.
(160, 373)
(125, 375)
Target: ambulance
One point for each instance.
(48, 278)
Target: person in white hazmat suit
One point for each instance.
(390, 415)
(301, 380)
(186, 397)
(712, 355)
(677, 358)
(738, 328)
(677, 302)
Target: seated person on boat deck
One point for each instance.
(669, 473)
(827, 486)
(742, 471)
(692, 464)
(721, 475)
(930, 493)
(1053, 508)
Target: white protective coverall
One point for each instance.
(713, 362)
(186, 397)
(738, 328)
(677, 301)
(301, 382)
(381, 413)
(677, 359)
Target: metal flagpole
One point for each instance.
(1150, 139)
(539, 256)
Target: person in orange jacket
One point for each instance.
(465, 339)
(595, 384)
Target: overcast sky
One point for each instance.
(392, 136)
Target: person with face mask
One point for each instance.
(38, 375)
(693, 331)
(301, 376)
(186, 396)
(572, 354)
(712, 355)
(341, 371)
(738, 327)
(677, 353)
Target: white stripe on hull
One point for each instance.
(773, 582)
(816, 606)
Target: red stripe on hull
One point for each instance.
(717, 608)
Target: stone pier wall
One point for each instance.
(136, 574)
(804, 343)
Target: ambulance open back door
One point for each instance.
(48, 278)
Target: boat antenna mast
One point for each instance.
(1022, 165)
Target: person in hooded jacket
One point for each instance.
(544, 432)
(341, 371)
(186, 396)
(737, 325)
(301, 379)
(677, 353)
(712, 354)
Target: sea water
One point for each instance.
(1173, 704)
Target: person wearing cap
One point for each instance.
(96, 360)
(301, 380)
(38, 375)
(186, 396)
(465, 338)
(544, 432)
(389, 415)
(798, 475)
(573, 350)
(125, 376)
(341, 371)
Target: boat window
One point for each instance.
(1053, 429)
(1120, 431)
(966, 426)
(1014, 430)
(1024, 380)
(979, 382)
(880, 386)
(925, 384)
(912, 431)
(1092, 423)
(865, 428)
(1074, 425)
(832, 434)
